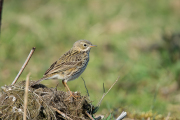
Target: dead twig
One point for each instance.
(61, 113)
(24, 65)
(89, 115)
(122, 115)
(85, 86)
(106, 92)
(26, 96)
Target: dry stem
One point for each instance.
(122, 115)
(24, 65)
(61, 113)
(89, 115)
(107, 92)
(85, 86)
(26, 96)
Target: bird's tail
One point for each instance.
(38, 81)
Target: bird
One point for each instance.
(70, 65)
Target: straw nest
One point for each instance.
(43, 103)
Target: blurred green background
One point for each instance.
(137, 40)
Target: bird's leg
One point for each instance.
(67, 88)
(64, 85)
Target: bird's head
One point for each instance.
(83, 45)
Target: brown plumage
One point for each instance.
(70, 65)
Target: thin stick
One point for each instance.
(61, 113)
(24, 65)
(26, 97)
(122, 115)
(85, 86)
(89, 115)
(107, 92)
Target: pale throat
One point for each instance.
(86, 50)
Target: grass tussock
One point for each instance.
(43, 103)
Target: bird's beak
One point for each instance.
(93, 46)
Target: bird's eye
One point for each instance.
(85, 45)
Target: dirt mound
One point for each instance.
(43, 103)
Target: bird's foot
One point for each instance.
(71, 95)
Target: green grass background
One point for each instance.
(121, 29)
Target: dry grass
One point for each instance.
(43, 103)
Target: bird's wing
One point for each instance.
(65, 63)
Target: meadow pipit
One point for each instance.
(70, 65)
